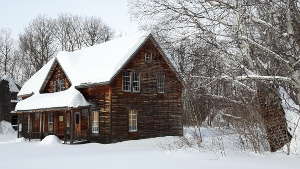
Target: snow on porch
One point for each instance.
(71, 98)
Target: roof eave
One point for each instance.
(49, 109)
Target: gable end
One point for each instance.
(56, 72)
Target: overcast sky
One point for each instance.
(16, 14)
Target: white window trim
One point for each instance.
(161, 78)
(59, 85)
(95, 124)
(148, 57)
(129, 75)
(139, 82)
(132, 121)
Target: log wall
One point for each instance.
(56, 73)
(100, 98)
(158, 114)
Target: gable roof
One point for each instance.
(92, 65)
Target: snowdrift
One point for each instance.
(6, 128)
(51, 140)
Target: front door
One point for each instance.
(61, 125)
(77, 124)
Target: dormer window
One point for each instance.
(59, 85)
(148, 57)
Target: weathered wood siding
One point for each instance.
(158, 114)
(56, 73)
(100, 97)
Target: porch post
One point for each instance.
(40, 126)
(18, 125)
(29, 125)
(72, 127)
(88, 121)
(65, 125)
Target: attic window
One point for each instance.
(59, 85)
(148, 57)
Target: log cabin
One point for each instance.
(122, 89)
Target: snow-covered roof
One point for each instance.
(71, 98)
(12, 85)
(96, 64)
(34, 84)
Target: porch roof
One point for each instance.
(70, 98)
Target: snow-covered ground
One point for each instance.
(147, 154)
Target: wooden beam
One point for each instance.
(65, 125)
(72, 126)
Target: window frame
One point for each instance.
(123, 81)
(148, 58)
(138, 81)
(50, 122)
(160, 82)
(132, 121)
(95, 128)
(59, 85)
(133, 78)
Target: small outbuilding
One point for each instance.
(8, 99)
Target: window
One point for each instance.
(126, 81)
(135, 82)
(160, 82)
(131, 81)
(95, 122)
(77, 118)
(132, 121)
(59, 85)
(148, 57)
(61, 118)
(50, 122)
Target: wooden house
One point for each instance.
(119, 90)
(8, 99)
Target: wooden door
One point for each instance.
(61, 125)
(77, 124)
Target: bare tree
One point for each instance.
(37, 43)
(74, 32)
(6, 51)
(256, 42)
(95, 31)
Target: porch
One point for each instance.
(69, 125)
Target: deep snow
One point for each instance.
(147, 154)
